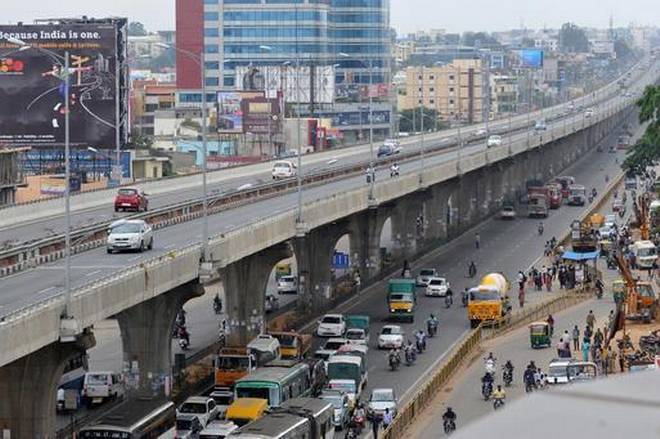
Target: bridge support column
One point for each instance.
(365, 229)
(407, 226)
(146, 335)
(314, 253)
(245, 282)
(437, 211)
(28, 388)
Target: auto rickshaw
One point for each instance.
(606, 246)
(282, 269)
(539, 335)
(596, 220)
(619, 290)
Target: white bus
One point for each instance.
(138, 419)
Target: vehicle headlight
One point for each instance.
(409, 310)
(392, 310)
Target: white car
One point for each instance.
(610, 220)
(424, 275)
(540, 125)
(437, 287)
(394, 144)
(589, 112)
(284, 169)
(508, 212)
(480, 132)
(380, 400)
(188, 426)
(203, 407)
(130, 235)
(218, 429)
(287, 284)
(391, 336)
(357, 336)
(333, 344)
(494, 140)
(331, 325)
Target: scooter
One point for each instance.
(507, 377)
(431, 328)
(448, 300)
(394, 362)
(410, 357)
(421, 345)
(450, 426)
(486, 390)
(499, 402)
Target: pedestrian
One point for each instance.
(548, 282)
(586, 347)
(598, 338)
(387, 418)
(591, 319)
(551, 323)
(622, 360)
(375, 425)
(588, 332)
(521, 298)
(610, 319)
(576, 338)
(605, 358)
(477, 240)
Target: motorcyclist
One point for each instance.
(420, 338)
(410, 352)
(540, 228)
(184, 335)
(449, 298)
(394, 356)
(594, 192)
(465, 297)
(449, 417)
(529, 379)
(487, 384)
(432, 324)
(472, 269)
(508, 371)
(217, 304)
(599, 288)
(394, 170)
(499, 395)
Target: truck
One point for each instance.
(347, 367)
(537, 206)
(554, 195)
(232, 364)
(489, 301)
(292, 344)
(358, 321)
(401, 299)
(577, 195)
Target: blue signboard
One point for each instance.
(532, 58)
(340, 260)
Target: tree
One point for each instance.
(481, 39)
(573, 39)
(647, 149)
(431, 120)
(136, 29)
(622, 50)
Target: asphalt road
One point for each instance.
(507, 246)
(222, 183)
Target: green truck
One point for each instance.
(401, 299)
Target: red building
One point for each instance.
(189, 37)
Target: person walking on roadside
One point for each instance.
(591, 320)
(576, 338)
(586, 347)
(598, 339)
(551, 323)
(477, 241)
(375, 425)
(588, 332)
(610, 319)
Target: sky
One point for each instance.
(406, 15)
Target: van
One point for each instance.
(265, 348)
(645, 253)
(246, 410)
(101, 386)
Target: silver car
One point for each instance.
(424, 275)
(381, 399)
(130, 235)
(287, 284)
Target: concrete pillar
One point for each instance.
(314, 253)
(365, 229)
(437, 210)
(28, 388)
(146, 335)
(245, 284)
(408, 225)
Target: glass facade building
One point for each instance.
(309, 32)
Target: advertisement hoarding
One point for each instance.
(531, 58)
(32, 79)
(294, 82)
(261, 115)
(230, 113)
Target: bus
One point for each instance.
(137, 419)
(307, 418)
(275, 384)
(72, 377)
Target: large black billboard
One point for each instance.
(32, 96)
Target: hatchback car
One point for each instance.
(381, 399)
(391, 336)
(284, 169)
(331, 325)
(131, 199)
(385, 151)
(508, 212)
(287, 285)
(494, 140)
(437, 287)
(130, 235)
(424, 275)
(203, 407)
(188, 426)
(357, 336)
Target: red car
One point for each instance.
(131, 199)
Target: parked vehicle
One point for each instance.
(540, 125)
(131, 199)
(646, 254)
(537, 206)
(137, 418)
(265, 348)
(554, 195)
(577, 195)
(130, 235)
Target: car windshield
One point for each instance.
(382, 395)
(437, 282)
(97, 379)
(333, 345)
(232, 363)
(333, 320)
(484, 295)
(184, 424)
(355, 334)
(390, 331)
(348, 386)
(426, 272)
(507, 208)
(336, 400)
(127, 228)
(322, 355)
(649, 251)
(557, 371)
(223, 399)
(287, 279)
(282, 165)
(127, 192)
(193, 407)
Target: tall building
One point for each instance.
(343, 43)
(456, 91)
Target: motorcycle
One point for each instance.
(394, 362)
(356, 426)
(464, 300)
(431, 328)
(421, 345)
(448, 300)
(450, 426)
(540, 230)
(507, 377)
(183, 344)
(489, 365)
(217, 305)
(499, 402)
(410, 357)
(487, 390)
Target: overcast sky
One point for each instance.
(407, 15)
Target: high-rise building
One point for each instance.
(345, 44)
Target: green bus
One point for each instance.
(275, 384)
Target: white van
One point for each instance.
(101, 386)
(266, 348)
(645, 253)
(284, 169)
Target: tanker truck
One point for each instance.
(489, 301)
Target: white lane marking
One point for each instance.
(92, 273)
(134, 258)
(167, 247)
(45, 290)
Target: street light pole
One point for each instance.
(67, 193)
(421, 115)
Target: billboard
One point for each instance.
(32, 79)
(294, 82)
(230, 113)
(531, 58)
(261, 115)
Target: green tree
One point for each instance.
(573, 38)
(431, 120)
(136, 29)
(622, 50)
(647, 149)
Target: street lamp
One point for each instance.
(68, 325)
(199, 60)
(371, 122)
